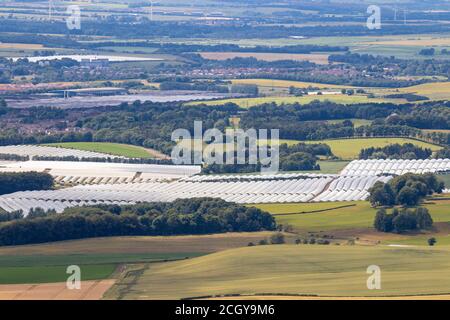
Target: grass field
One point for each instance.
(251, 102)
(331, 166)
(434, 91)
(293, 269)
(287, 84)
(356, 222)
(116, 149)
(359, 216)
(350, 148)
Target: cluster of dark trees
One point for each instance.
(407, 190)
(401, 220)
(94, 159)
(246, 89)
(9, 216)
(13, 157)
(443, 153)
(151, 124)
(191, 216)
(429, 116)
(21, 181)
(298, 157)
(302, 156)
(185, 84)
(410, 97)
(248, 62)
(308, 122)
(15, 136)
(175, 85)
(427, 52)
(396, 151)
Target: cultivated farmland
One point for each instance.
(116, 149)
(99, 257)
(350, 148)
(338, 216)
(251, 102)
(290, 269)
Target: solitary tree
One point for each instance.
(432, 241)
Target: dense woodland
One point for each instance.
(21, 181)
(191, 216)
(407, 190)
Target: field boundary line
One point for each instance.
(306, 295)
(314, 211)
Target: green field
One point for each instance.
(116, 149)
(350, 148)
(361, 215)
(443, 240)
(293, 269)
(331, 166)
(251, 102)
(52, 268)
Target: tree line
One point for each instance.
(22, 181)
(396, 151)
(188, 216)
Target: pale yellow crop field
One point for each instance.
(287, 84)
(433, 90)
